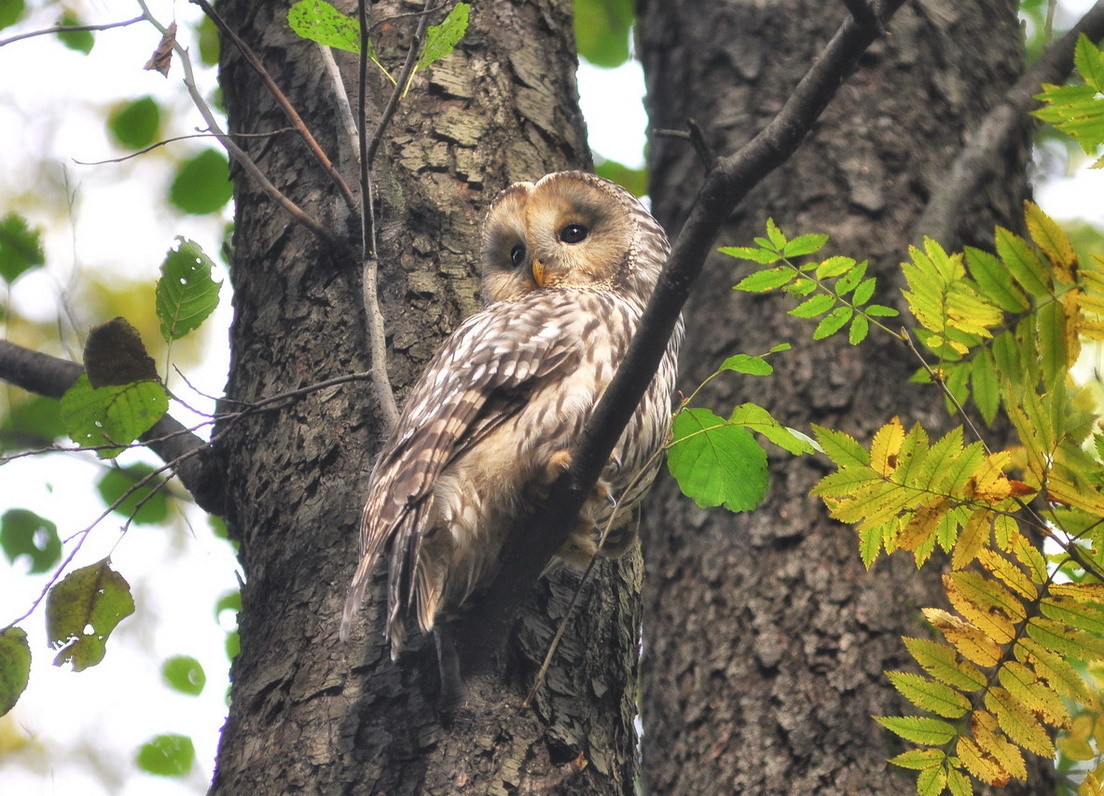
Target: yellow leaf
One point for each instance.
(886, 446)
(1053, 669)
(1075, 749)
(989, 739)
(980, 606)
(1063, 491)
(1009, 573)
(1035, 695)
(974, 535)
(1082, 592)
(1074, 613)
(929, 695)
(1066, 641)
(981, 765)
(1051, 240)
(1029, 556)
(919, 758)
(990, 483)
(922, 524)
(1018, 723)
(1093, 784)
(1082, 728)
(941, 662)
(973, 644)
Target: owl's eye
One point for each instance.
(573, 233)
(517, 255)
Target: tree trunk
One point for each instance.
(309, 714)
(765, 639)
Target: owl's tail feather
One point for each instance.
(356, 595)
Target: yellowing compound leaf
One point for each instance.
(1053, 669)
(1074, 613)
(1033, 694)
(981, 607)
(970, 641)
(886, 446)
(919, 758)
(1018, 723)
(930, 696)
(941, 662)
(1051, 240)
(1066, 641)
(919, 729)
(990, 740)
(1010, 574)
(980, 764)
(990, 483)
(975, 533)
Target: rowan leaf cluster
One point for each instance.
(998, 332)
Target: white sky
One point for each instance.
(56, 106)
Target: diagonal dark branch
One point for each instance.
(282, 100)
(170, 440)
(984, 147)
(482, 631)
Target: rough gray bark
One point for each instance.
(765, 640)
(307, 713)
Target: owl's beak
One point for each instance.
(539, 272)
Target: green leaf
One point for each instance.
(207, 36)
(919, 729)
(82, 610)
(202, 183)
(20, 247)
(995, 280)
(880, 311)
(755, 418)
(812, 307)
(850, 280)
(919, 758)
(1089, 62)
(749, 364)
(929, 695)
(81, 40)
(15, 667)
(135, 125)
(184, 674)
(10, 12)
(768, 279)
(186, 293)
(602, 31)
(114, 416)
(168, 755)
(775, 236)
(834, 266)
(983, 376)
(1023, 262)
(761, 256)
(635, 181)
(24, 533)
(833, 322)
(806, 244)
(145, 505)
(31, 423)
(320, 22)
(860, 328)
(864, 292)
(442, 39)
(715, 462)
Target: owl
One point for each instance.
(568, 263)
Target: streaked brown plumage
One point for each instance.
(568, 264)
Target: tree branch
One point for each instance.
(483, 630)
(169, 439)
(980, 154)
(70, 29)
(282, 100)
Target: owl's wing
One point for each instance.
(482, 375)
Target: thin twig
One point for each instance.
(344, 107)
(173, 140)
(70, 29)
(985, 146)
(238, 154)
(281, 100)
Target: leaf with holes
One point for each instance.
(82, 611)
(186, 293)
(113, 416)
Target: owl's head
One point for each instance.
(570, 229)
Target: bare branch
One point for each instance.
(533, 543)
(377, 340)
(984, 147)
(282, 100)
(169, 439)
(70, 29)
